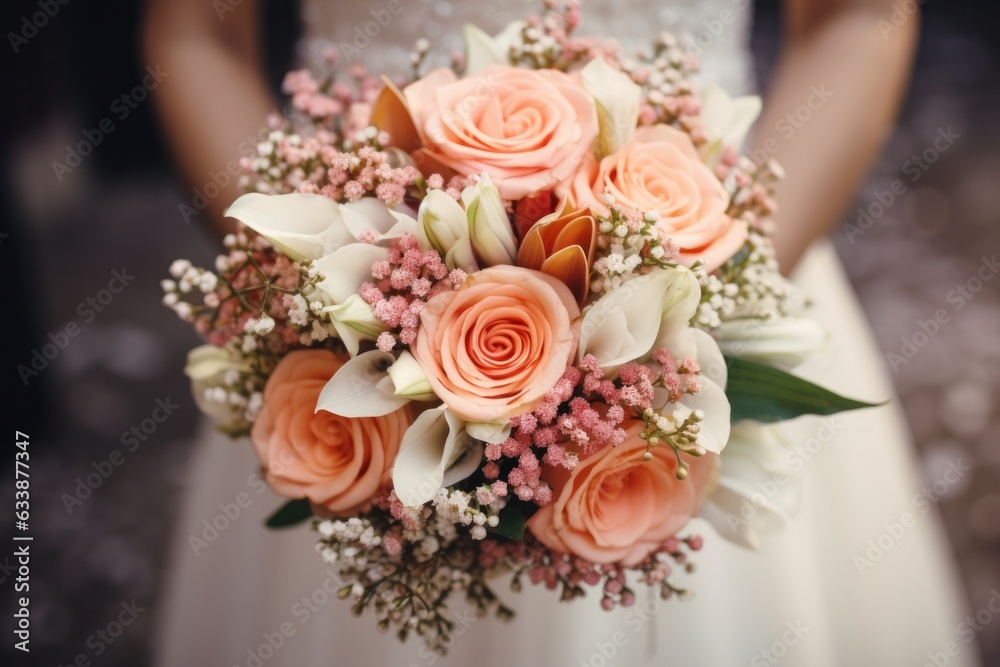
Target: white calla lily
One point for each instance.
(756, 494)
(654, 312)
(343, 272)
(726, 120)
(481, 50)
(409, 380)
(714, 428)
(783, 342)
(617, 98)
(442, 225)
(491, 433)
(303, 226)
(314, 227)
(436, 451)
(625, 324)
(362, 388)
(355, 321)
(210, 367)
(489, 225)
(207, 362)
(369, 213)
(311, 226)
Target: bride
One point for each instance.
(846, 581)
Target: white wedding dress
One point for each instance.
(254, 597)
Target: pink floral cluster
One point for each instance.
(752, 185)
(404, 282)
(669, 92)
(333, 99)
(580, 415)
(316, 165)
(350, 176)
(678, 378)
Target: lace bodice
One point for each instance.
(384, 31)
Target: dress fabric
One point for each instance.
(255, 597)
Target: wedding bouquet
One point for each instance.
(499, 319)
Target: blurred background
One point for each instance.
(66, 231)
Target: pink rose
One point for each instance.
(615, 507)
(529, 129)
(335, 462)
(494, 347)
(659, 170)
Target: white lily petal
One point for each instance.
(695, 342)
(711, 152)
(756, 493)
(207, 361)
(489, 225)
(467, 463)
(345, 270)
(491, 433)
(481, 50)
(207, 367)
(624, 324)
(784, 342)
(745, 112)
(371, 213)
(435, 441)
(711, 399)
(357, 313)
(512, 35)
(358, 390)
(617, 99)
(349, 336)
(737, 519)
(679, 307)
(713, 364)
(716, 107)
(726, 120)
(441, 222)
(461, 256)
(715, 427)
(304, 226)
(355, 321)
(409, 380)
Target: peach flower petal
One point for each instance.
(613, 507)
(338, 463)
(660, 170)
(529, 129)
(494, 347)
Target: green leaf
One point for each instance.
(514, 519)
(767, 394)
(291, 513)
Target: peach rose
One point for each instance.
(615, 507)
(493, 348)
(659, 170)
(335, 462)
(529, 129)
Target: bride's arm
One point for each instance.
(852, 53)
(214, 97)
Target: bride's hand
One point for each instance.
(857, 54)
(213, 101)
